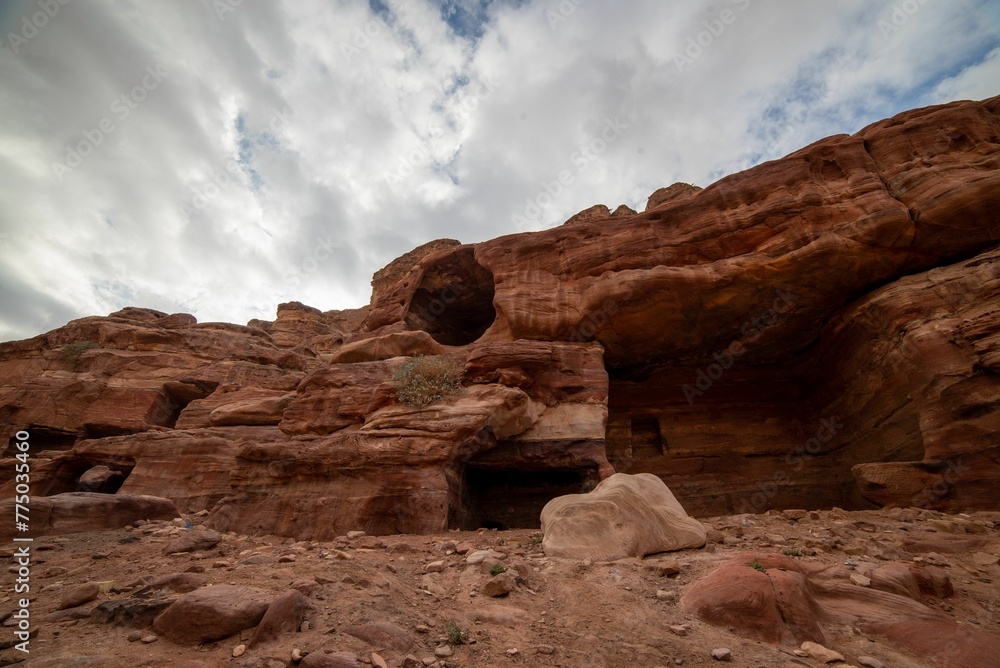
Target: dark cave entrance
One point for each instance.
(454, 300)
(512, 498)
(176, 395)
(84, 475)
(43, 438)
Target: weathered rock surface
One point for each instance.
(790, 601)
(192, 541)
(212, 613)
(625, 516)
(284, 615)
(819, 330)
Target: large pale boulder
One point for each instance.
(624, 516)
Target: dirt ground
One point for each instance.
(562, 613)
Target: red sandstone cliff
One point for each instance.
(820, 330)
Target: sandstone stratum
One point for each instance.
(820, 330)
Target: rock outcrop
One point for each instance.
(777, 599)
(624, 516)
(820, 330)
(84, 511)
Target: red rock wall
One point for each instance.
(819, 330)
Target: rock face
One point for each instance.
(625, 516)
(820, 330)
(776, 599)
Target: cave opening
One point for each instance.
(84, 475)
(513, 498)
(454, 300)
(175, 397)
(42, 439)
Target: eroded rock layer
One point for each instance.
(820, 330)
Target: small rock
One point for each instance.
(860, 580)
(410, 661)
(477, 557)
(545, 649)
(513, 651)
(79, 595)
(258, 559)
(870, 662)
(664, 595)
(296, 654)
(499, 585)
(192, 541)
(668, 568)
(135, 636)
(351, 535)
(443, 651)
(147, 640)
(99, 555)
(286, 559)
(238, 650)
(378, 661)
(422, 628)
(722, 654)
(793, 514)
(821, 653)
(678, 630)
(434, 567)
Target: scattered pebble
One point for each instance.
(870, 662)
(722, 654)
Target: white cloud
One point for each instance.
(294, 148)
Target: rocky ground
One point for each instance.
(410, 600)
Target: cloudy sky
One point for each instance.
(218, 157)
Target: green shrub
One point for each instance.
(497, 569)
(72, 351)
(793, 553)
(423, 380)
(756, 565)
(456, 635)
